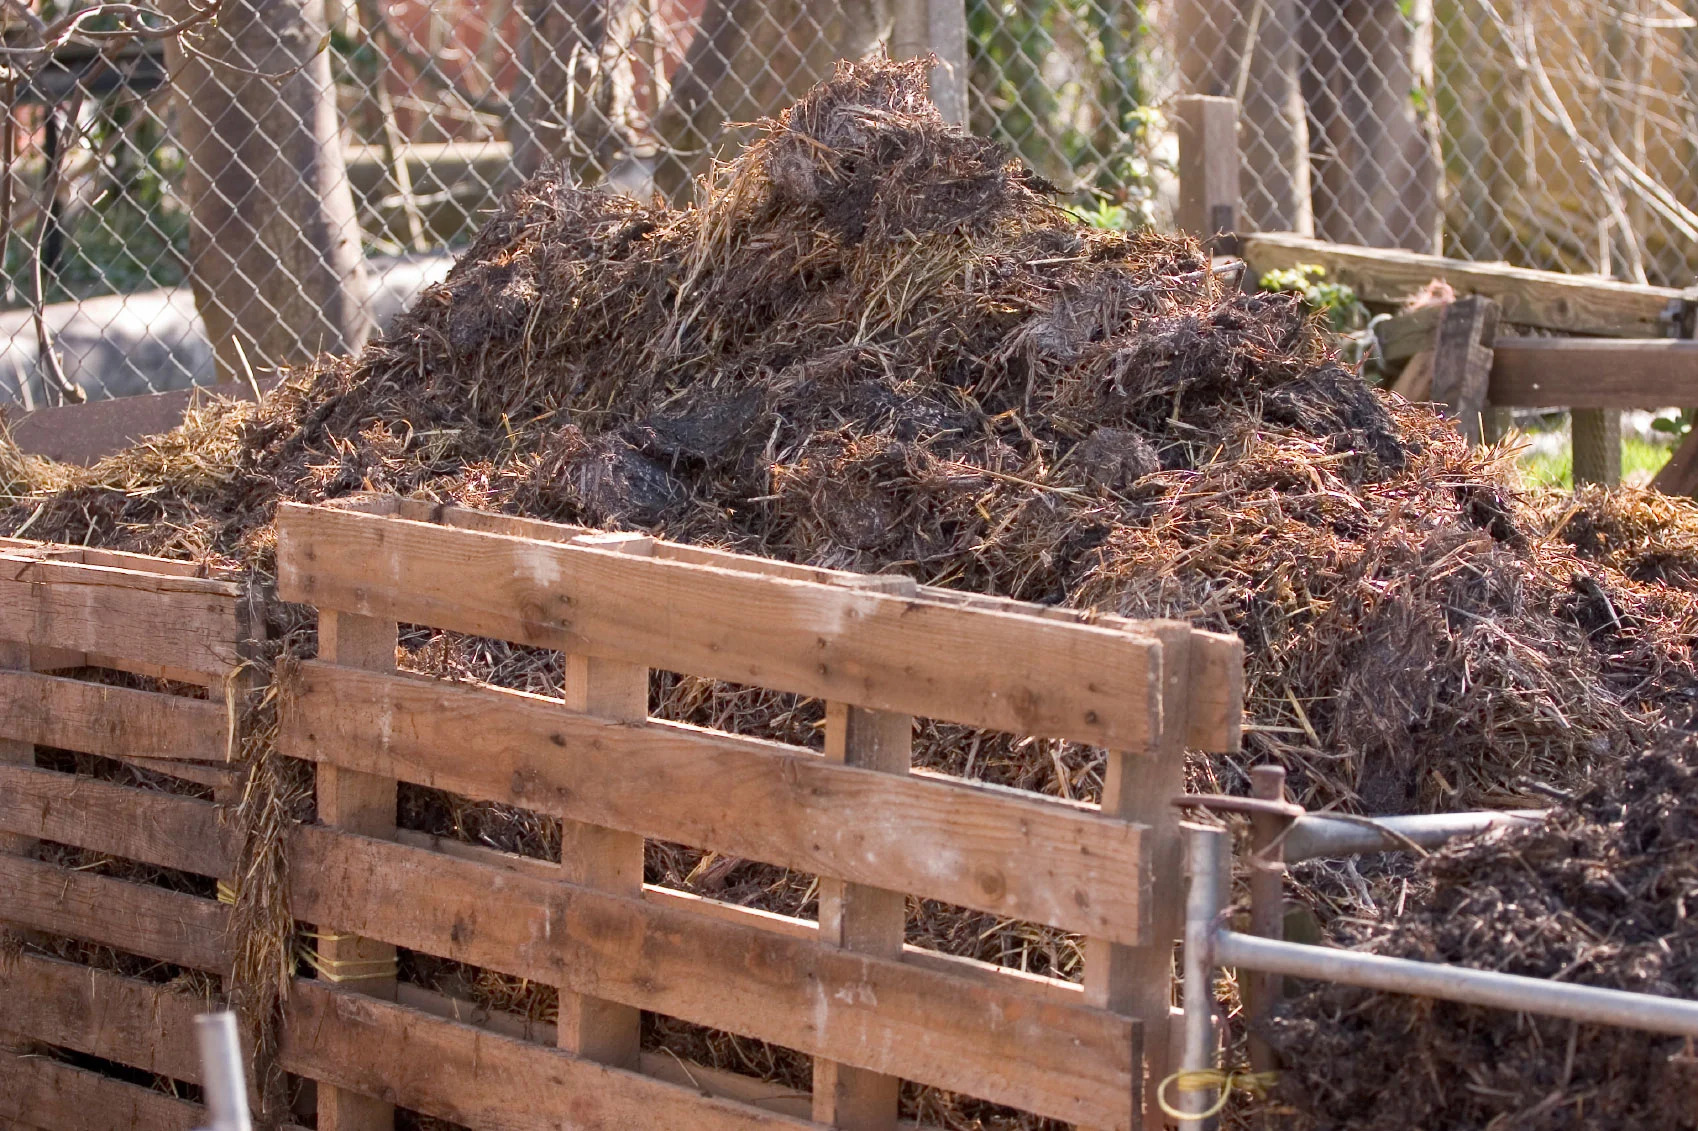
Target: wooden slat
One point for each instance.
(1547, 299)
(160, 623)
(482, 1079)
(38, 1092)
(1138, 980)
(15, 749)
(861, 917)
(137, 918)
(659, 1064)
(1216, 711)
(997, 850)
(873, 650)
(114, 722)
(875, 1013)
(1590, 373)
(85, 433)
(126, 1020)
(363, 803)
(1462, 362)
(136, 824)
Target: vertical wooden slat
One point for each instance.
(1207, 128)
(858, 917)
(1139, 785)
(365, 804)
(1596, 436)
(604, 1031)
(1462, 362)
(14, 656)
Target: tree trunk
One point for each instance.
(1378, 173)
(750, 58)
(575, 100)
(274, 246)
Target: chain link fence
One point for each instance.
(179, 210)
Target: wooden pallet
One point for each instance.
(846, 990)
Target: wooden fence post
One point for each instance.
(1140, 785)
(1208, 165)
(1596, 434)
(858, 917)
(1462, 362)
(364, 804)
(1680, 475)
(607, 1032)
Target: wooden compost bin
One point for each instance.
(869, 1009)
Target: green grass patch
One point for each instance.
(1640, 460)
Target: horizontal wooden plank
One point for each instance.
(36, 1091)
(126, 1020)
(1214, 717)
(1071, 1063)
(156, 621)
(997, 850)
(662, 1065)
(752, 918)
(482, 1079)
(920, 657)
(114, 722)
(136, 918)
(85, 433)
(1593, 373)
(1547, 299)
(154, 828)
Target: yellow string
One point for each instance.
(331, 969)
(1203, 1079)
(226, 893)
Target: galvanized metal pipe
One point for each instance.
(1313, 835)
(222, 1078)
(1207, 861)
(1453, 983)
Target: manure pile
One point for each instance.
(877, 344)
(1603, 893)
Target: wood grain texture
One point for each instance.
(1215, 717)
(114, 722)
(38, 1092)
(1207, 129)
(154, 828)
(884, 652)
(161, 623)
(126, 1020)
(481, 1079)
(861, 917)
(997, 850)
(1547, 299)
(1592, 373)
(1462, 362)
(874, 1013)
(362, 803)
(137, 918)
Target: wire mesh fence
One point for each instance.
(183, 209)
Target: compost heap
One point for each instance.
(877, 344)
(1600, 894)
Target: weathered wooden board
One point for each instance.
(482, 1079)
(1547, 299)
(126, 1020)
(154, 828)
(876, 1013)
(160, 623)
(950, 965)
(996, 850)
(115, 722)
(1593, 373)
(875, 650)
(1217, 658)
(40, 1092)
(136, 918)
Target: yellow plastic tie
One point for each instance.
(226, 893)
(345, 969)
(1256, 1084)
